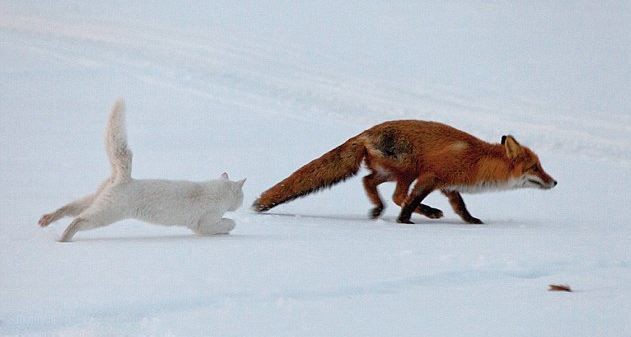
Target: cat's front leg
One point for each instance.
(225, 226)
(212, 224)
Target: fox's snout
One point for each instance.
(541, 180)
(552, 184)
(548, 183)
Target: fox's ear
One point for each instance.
(224, 176)
(513, 149)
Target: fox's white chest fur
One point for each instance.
(489, 186)
(196, 205)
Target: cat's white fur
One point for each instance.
(196, 205)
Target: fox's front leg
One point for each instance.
(424, 186)
(401, 192)
(457, 203)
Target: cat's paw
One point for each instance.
(46, 219)
(225, 226)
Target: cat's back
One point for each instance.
(167, 202)
(151, 188)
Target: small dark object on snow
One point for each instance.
(560, 287)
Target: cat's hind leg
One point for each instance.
(212, 224)
(93, 217)
(73, 208)
(83, 223)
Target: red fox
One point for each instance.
(435, 155)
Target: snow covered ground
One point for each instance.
(258, 89)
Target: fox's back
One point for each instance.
(407, 147)
(422, 135)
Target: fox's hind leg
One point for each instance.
(455, 199)
(401, 192)
(371, 182)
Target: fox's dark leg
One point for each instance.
(455, 199)
(429, 211)
(424, 186)
(401, 192)
(371, 182)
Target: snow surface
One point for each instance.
(258, 89)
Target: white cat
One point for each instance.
(196, 205)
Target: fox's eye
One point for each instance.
(533, 168)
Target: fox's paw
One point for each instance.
(45, 220)
(474, 221)
(405, 221)
(376, 212)
(258, 207)
(430, 212)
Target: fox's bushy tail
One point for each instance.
(333, 167)
(120, 156)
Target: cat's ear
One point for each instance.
(241, 182)
(224, 176)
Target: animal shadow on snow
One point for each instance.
(392, 220)
(168, 238)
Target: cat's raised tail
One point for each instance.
(120, 156)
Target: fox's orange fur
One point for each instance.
(435, 155)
